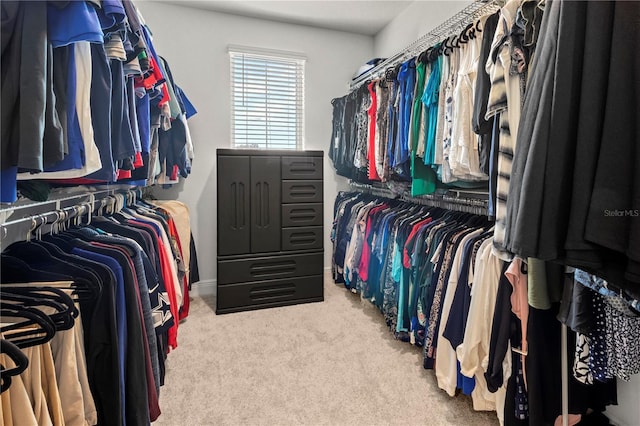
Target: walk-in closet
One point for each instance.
(394, 212)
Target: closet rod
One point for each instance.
(381, 191)
(455, 23)
(55, 211)
(468, 201)
(30, 208)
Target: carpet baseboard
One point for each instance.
(203, 288)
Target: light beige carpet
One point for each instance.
(329, 363)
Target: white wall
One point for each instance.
(194, 42)
(413, 22)
(627, 412)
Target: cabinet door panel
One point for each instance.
(265, 204)
(233, 205)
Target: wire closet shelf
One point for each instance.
(469, 201)
(454, 24)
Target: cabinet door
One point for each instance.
(233, 205)
(265, 204)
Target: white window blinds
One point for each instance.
(267, 100)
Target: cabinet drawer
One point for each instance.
(301, 191)
(266, 294)
(269, 267)
(302, 238)
(301, 167)
(301, 215)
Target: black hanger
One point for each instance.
(437, 52)
(19, 359)
(44, 296)
(464, 35)
(18, 333)
(442, 46)
(81, 293)
(390, 74)
(53, 293)
(455, 41)
(422, 55)
(472, 32)
(450, 44)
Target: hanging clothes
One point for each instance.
(108, 367)
(595, 229)
(85, 116)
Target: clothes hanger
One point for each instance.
(78, 293)
(390, 74)
(455, 41)
(435, 52)
(423, 57)
(472, 31)
(62, 315)
(54, 291)
(44, 249)
(478, 26)
(441, 46)
(464, 35)
(35, 329)
(450, 44)
(19, 359)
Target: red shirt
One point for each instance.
(363, 266)
(371, 155)
(406, 256)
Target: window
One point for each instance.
(267, 99)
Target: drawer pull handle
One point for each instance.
(303, 191)
(262, 270)
(302, 167)
(302, 215)
(277, 292)
(303, 238)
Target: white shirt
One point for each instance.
(473, 353)
(446, 360)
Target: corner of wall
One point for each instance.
(413, 22)
(204, 288)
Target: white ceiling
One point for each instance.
(356, 16)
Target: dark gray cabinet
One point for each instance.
(270, 229)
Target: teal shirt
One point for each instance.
(430, 99)
(423, 178)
